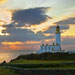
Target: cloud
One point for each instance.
(66, 26)
(52, 29)
(68, 41)
(69, 47)
(37, 20)
(21, 34)
(66, 21)
(22, 17)
(30, 16)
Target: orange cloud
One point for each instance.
(27, 45)
(12, 43)
(20, 45)
(32, 42)
(48, 41)
(15, 47)
(47, 34)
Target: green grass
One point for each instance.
(5, 71)
(22, 61)
(41, 64)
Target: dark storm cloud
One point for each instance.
(30, 16)
(67, 21)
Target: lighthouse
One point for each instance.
(58, 35)
(55, 47)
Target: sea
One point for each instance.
(8, 55)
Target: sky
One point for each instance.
(26, 24)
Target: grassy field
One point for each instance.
(5, 71)
(44, 61)
(41, 71)
(43, 64)
(17, 67)
(22, 61)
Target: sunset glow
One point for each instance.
(26, 24)
(70, 32)
(3, 1)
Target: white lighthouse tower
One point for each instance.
(58, 36)
(55, 47)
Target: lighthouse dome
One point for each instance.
(57, 27)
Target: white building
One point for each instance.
(56, 47)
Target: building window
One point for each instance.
(41, 47)
(53, 44)
(46, 44)
(49, 47)
(52, 49)
(45, 47)
(60, 48)
(57, 44)
(42, 44)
